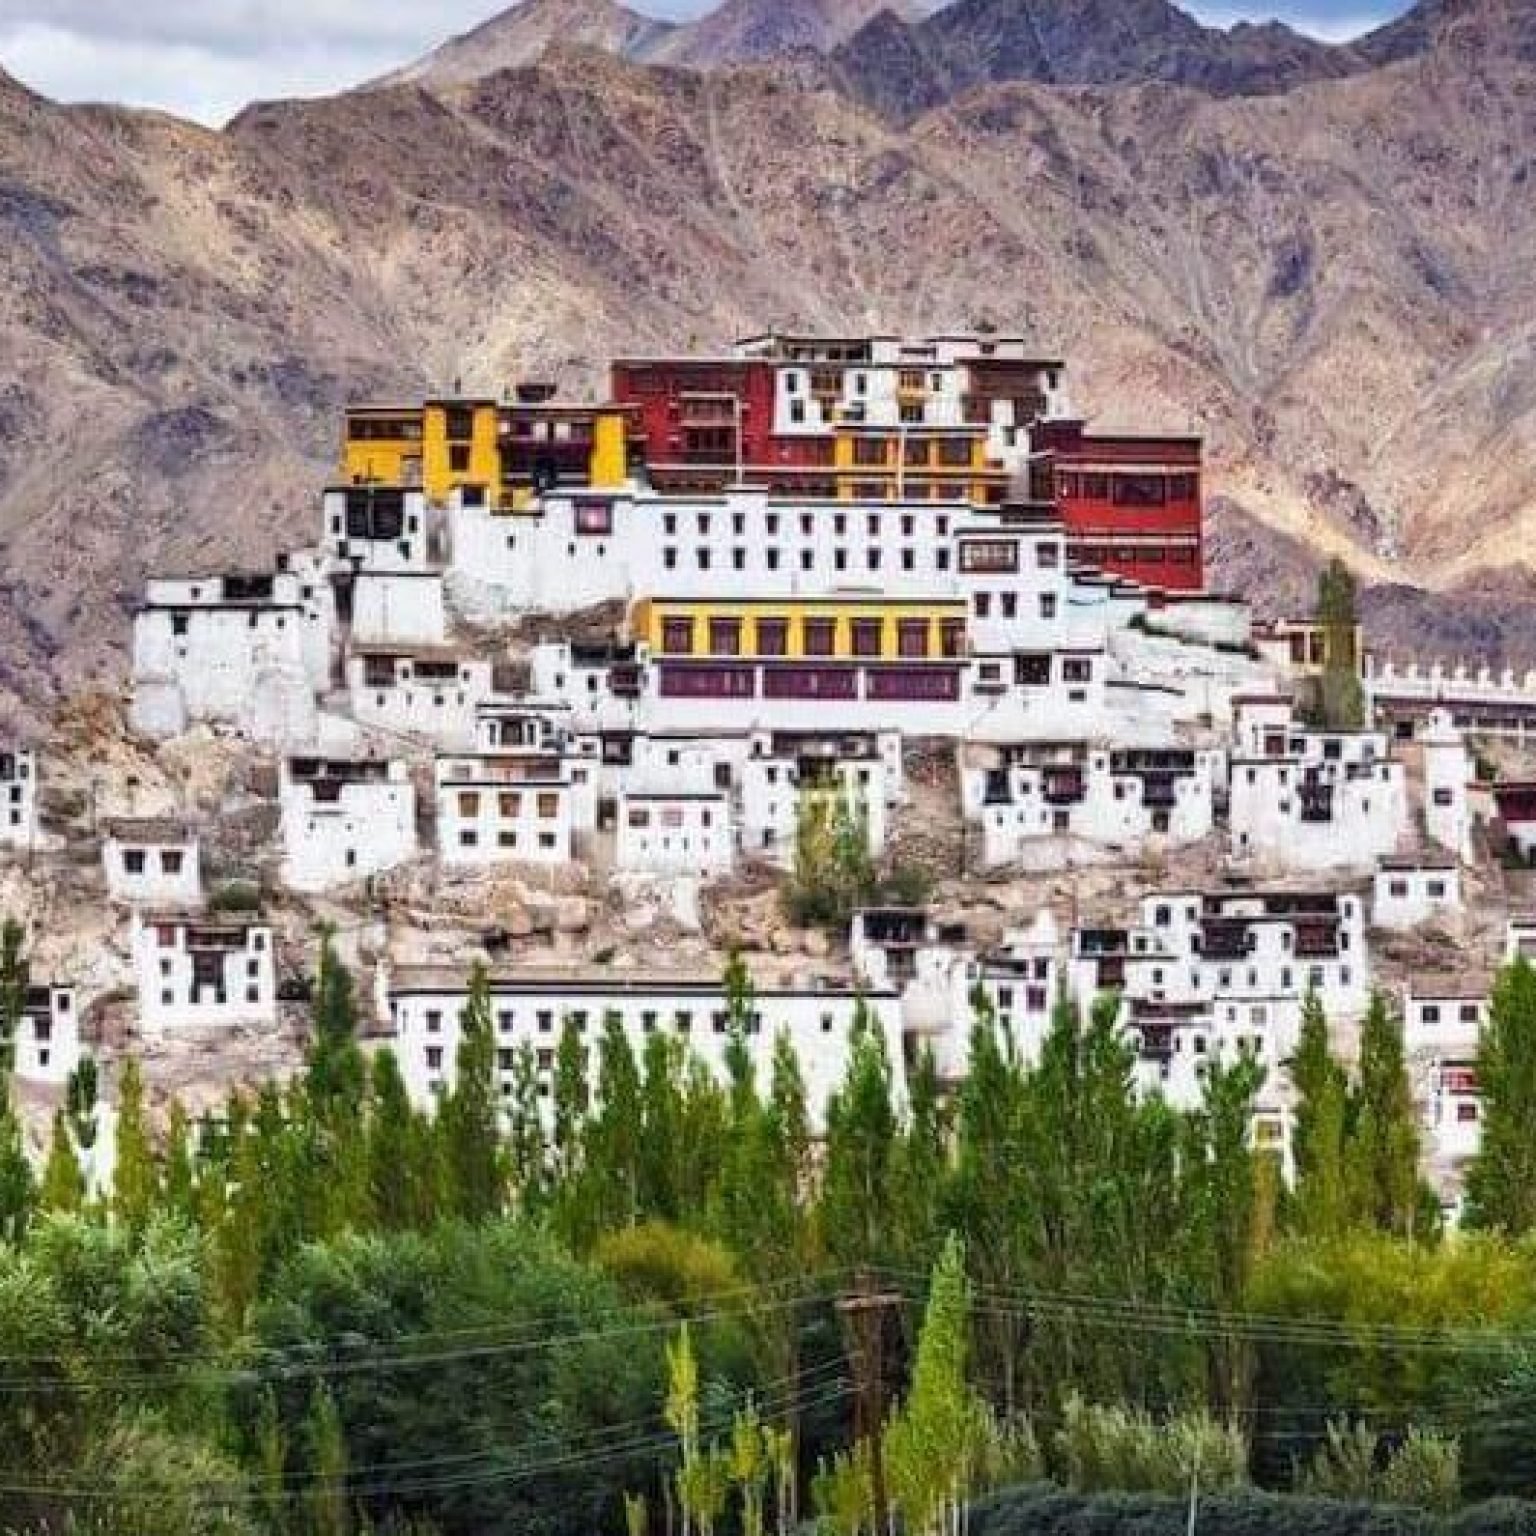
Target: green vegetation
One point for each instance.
(1335, 699)
(629, 1296)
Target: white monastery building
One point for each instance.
(203, 972)
(344, 820)
(425, 1008)
(676, 833)
(505, 808)
(1411, 890)
(19, 818)
(153, 862)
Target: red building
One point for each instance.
(1132, 505)
(708, 422)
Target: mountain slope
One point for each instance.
(521, 35)
(742, 31)
(1331, 283)
(904, 71)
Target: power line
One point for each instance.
(329, 1369)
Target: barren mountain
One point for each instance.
(1331, 282)
(521, 35)
(904, 69)
(741, 31)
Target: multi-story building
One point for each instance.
(1122, 798)
(505, 807)
(1442, 1023)
(502, 451)
(203, 972)
(574, 550)
(153, 861)
(855, 418)
(1132, 505)
(533, 1012)
(1204, 974)
(865, 662)
(1308, 799)
(344, 820)
(428, 693)
(674, 832)
(1448, 775)
(1415, 889)
(246, 651)
(19, 822)
(377, 527)
(1516, 803)
(787, 772)
(46, 1046)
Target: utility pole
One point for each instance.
(863, 1313)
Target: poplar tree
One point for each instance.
(987, 1197)
(1501, 1181)
(63, 1186)
(1384, 1158)
(662, 1113)
(571, 1102)
(614, 1134)
(135, 1178)
(860, 1151)
(329, 1512)
(470, 1116)
(403, 1183)
(180, 1193)
(527, 1149)
(15, 977)
(922, 1166)
(1319, 1139)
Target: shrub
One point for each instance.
(235, 896)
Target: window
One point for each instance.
(820, 637)
(509, 805)
(1076, 669)
(952, 637)
(912, 639)
(866, 637)
(869, 451)
(955, 452)
(1047, 605)
(772, 637)
(1047, 556)
(549, 806)
(469, 804)
(458, 459)
(434, 1058)
(677, 636)
(978, 556)
(725, 637)
(133, 861)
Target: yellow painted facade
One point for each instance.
(789, 630)
(444, 445)
(461, 446)
(610, 450)
(908, 465)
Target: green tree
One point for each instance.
(1335, 698)
(15, 977)
(325, 1499)
(1501, 1181)
(860, 1150)
(473, 1161)
(935, 1445)
(1319, 1139)
(135, 1173)
(1384, 1156)
(403, 1164)
(63, 1187)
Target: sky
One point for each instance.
(206, 58)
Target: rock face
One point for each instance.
(522, 35)
(1330, 281)
(905, 70)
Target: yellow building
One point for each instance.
(845, 628)
(511, 452)
(938, 464)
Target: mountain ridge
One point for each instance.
(1328, 282)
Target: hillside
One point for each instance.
(1329, 281)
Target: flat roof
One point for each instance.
(442, 979)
